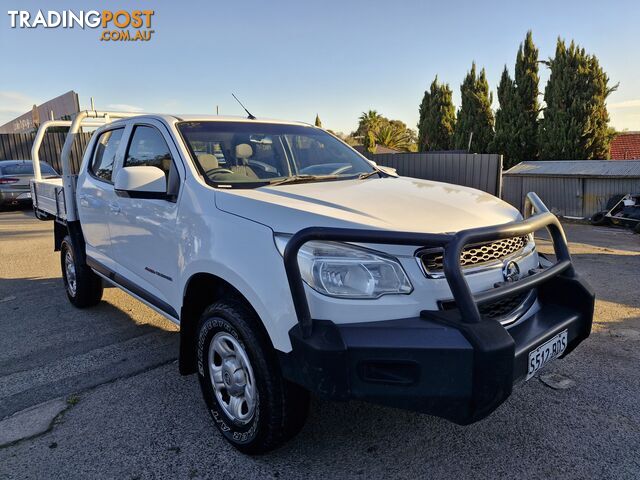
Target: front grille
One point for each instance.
(502, 307)
(433, 259)
(506, 310)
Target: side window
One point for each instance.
(148, 148)
(105, 154)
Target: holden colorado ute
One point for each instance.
(295, 266)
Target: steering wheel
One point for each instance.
(213, 171)
(339, 170)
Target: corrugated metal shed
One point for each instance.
(581, 168)
(573, 188)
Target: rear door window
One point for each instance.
(105, 154)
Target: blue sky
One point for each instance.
(293, 59)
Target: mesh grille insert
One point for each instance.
(501, 309)
(475, 254)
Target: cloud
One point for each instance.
(625, 104)
(15, 102)
(124, 107)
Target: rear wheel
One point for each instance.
(252, 405)
(83, 287)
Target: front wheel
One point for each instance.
(251, 404)
(84, 288)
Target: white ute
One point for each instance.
(294, 265)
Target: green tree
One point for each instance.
(396, 135)
(475, 114)
(505, 141)
(370, 142)
(516, 131)
(318, 122)
(368, 120)
(575, 121)
(437, 118)
(527, 89)
(374, 130)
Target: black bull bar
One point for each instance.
(453, 245)
(321, 360)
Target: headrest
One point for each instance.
(208, 161)
(243, 151)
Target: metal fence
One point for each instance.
(481, 171)
(17, 146)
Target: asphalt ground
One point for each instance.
(108, 380)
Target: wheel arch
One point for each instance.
(201, 290)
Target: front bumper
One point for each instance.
(428, 363)
(456, 364)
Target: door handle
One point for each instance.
(115, 208)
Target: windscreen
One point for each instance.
(253, 154)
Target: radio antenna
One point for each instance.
(249, 115)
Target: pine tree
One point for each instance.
(475, 113)
(437, 118)
(575, 121)
(425, 107)
(527, 80)
(318, 122)
(505, 141)
(517, 118)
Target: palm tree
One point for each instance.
(369, 120)
(390, 135)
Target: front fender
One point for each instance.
(243, 254)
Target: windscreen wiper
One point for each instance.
(362, 176)
(305, 178)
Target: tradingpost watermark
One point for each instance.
(115, 25)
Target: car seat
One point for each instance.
(243, 153)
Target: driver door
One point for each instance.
(144, 237)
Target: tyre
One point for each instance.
(637, 228)
(83, 287)
(251, 404)
(599, 219)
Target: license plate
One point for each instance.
(24, 195)
(546, 352)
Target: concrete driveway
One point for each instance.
(108, 379)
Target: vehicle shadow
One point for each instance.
(51, 349)
(539, 430)
(26, 208)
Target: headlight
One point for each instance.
(341, 270)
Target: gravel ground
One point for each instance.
(131, 415)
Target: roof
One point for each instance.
(383, 149)
(223, 118)
(379, 149)
(626, 146)
(171, 118)
(577, 168)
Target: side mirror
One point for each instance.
(388, 170)
(141, 182)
